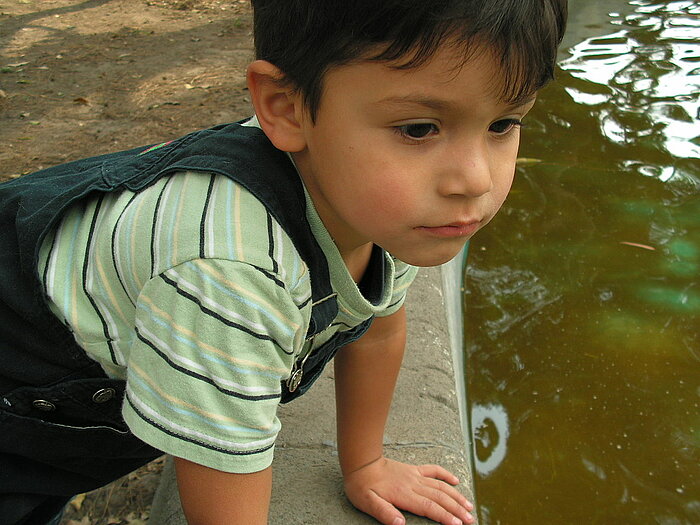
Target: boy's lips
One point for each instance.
(455, 229)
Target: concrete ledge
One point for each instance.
(424, 427)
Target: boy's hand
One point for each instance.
(384, 486)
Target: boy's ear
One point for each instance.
(279, 107)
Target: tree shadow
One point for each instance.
(85, 90)
(15, 23)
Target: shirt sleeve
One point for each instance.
(214, 339)
(404, 274)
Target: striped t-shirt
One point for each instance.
(193, 293)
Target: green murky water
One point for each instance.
(582, 302)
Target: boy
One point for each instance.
(166, 299)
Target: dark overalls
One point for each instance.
(61, 431)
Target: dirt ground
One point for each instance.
(80, 78)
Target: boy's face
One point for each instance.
(415, 160)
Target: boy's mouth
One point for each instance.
(455, 229)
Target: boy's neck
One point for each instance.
(355, 252)
(357, 260)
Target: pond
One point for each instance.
(582, 298)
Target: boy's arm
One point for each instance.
(365, 375)
(212, 497)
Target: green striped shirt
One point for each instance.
(193, 293)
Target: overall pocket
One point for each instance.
(67, 438)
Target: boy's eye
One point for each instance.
(417, 131)
(501, 127)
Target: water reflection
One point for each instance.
(490, 426)
(648, 77)
(582, 298)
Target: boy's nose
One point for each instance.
(466, 172)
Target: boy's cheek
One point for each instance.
(502, 196)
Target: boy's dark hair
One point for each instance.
(306, 38)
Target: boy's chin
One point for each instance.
(429, 259)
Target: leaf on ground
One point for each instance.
(81, 100)
(77, 501)
(521, 161)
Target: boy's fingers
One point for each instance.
(434, 510)
(438, 472)
(446, 507)
(383, 511)
(452, 492)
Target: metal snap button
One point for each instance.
(103, 395)
(295, 380)
(42, 404)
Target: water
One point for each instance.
(582, 301)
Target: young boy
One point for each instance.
(166, 299)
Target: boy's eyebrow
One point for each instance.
(415, 100)
(441, 105)
(523, 100)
